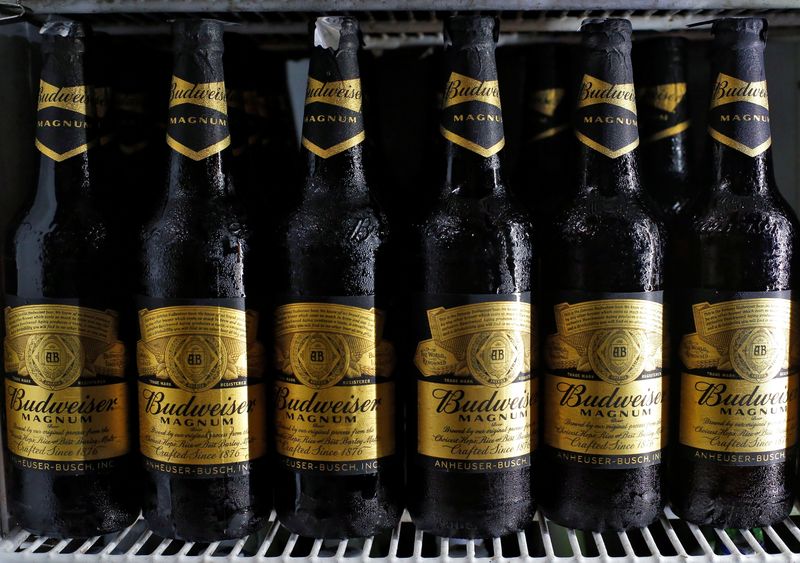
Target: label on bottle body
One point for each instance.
(547, 120)
(664, 111)
(65, 118)
(202, 398)
(476, 391)
(606, 118)
(332, 120)
(334, 388)
(605, 396)
(67, 401)
(198, 116)
(739, 380)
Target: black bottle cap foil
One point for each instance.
(204, 34)
(339, 33)
(470, 30)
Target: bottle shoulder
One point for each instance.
(456, 217)
(725, 212)
(589, 216)
(331, 223)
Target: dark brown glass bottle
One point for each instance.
(68, 403)
(604, 393)
(544, 171)
(472, 407)
(202, 398)
(736, 397)
(663, 101)
(339, 469)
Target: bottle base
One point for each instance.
(719, 515)
(341, 527)
(475, 525)
(82, 533)
(203, 532)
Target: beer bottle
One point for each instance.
(604, 391)
(737, 393)
(543, 169)
(67, 408)
(660, 72)
(202, 398)
(472, 402)
(339, 470)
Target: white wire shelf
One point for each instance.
(412, 21)
(669, 540)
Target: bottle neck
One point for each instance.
(608, 177)
(197, 130)
(66, 129)
(607, 124)
(472, 121)
(470, 175)
(333, 125)
(740, 174)
(739, 123)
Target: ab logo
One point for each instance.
(54, 361)
(620, 352)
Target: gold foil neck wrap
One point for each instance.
(546, 101)
(729, 89)
(595, 91)
(209, 95)
(343, 93)
(461, 89)
(666, 97)
(71, 98)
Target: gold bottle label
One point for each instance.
(332, 122)
(739, 114)
(605, 395)
(546, 104)
(471, 112)
(476, 400)
(739, 386)
(198, 118)
(66, 399)
(202, 401)
(664, 112)
(334, 393)
(64, 120)
(606, 118)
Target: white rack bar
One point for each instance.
(112, 6)
(669, 540)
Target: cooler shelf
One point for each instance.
(666, 541)
(409, 19)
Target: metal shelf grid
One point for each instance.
(669, 540)
(399, 22)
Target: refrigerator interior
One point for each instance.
(391, 24)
